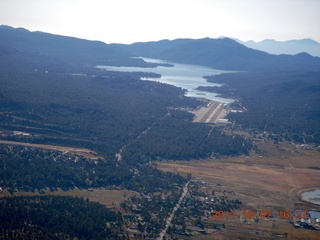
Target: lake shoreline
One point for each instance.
(186, 76)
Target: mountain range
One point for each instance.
(224, 53)
(291, 47)
(44, 49)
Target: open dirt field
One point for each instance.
(271, 180)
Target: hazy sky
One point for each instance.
(127, 21)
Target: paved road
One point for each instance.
(169, 219)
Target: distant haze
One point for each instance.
(291, 47)
(127, 21)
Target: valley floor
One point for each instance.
(272, 180)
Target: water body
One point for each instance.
(185, 76)
(312, 197)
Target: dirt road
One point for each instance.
(80, 151)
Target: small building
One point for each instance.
(314, 217)
(223, 121)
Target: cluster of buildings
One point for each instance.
(311, 220)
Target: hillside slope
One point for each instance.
(224, 54)
(39, 49)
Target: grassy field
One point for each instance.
(271, 180)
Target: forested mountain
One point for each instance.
(224, 54)
(57, 46)
(152, 48)
(42, 49)
(286, 47)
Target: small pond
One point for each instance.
(312, 196)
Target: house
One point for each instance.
(310, 221)
(223, 121)
(314, 217)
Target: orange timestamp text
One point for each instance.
(262, 214)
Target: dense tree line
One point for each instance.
(148, 179)
(284, 104)
(55, 217)
(28, 169)
(176, 137)
(103, 113)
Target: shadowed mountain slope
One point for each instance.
(223, 53)
(43, 49)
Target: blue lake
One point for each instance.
(185, 76)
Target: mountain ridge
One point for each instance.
(291, 47)
(20, 42)
(222, 53)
